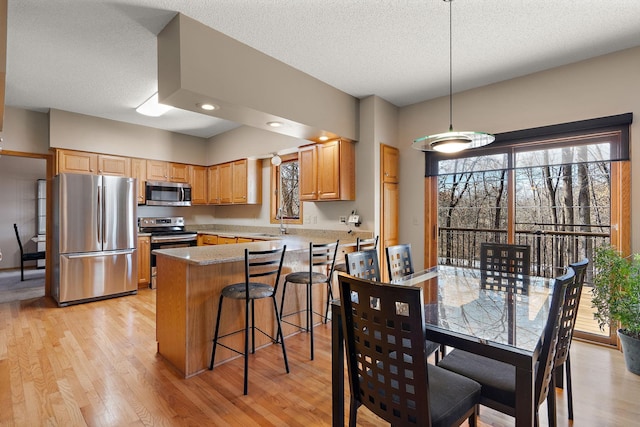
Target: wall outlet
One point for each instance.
(343, 219)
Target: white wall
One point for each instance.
(18, 192)
(26, 131)
(598, 87)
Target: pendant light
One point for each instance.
(452, 141)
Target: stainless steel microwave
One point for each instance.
(168, 193)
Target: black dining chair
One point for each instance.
(26, 256)
(258, 265)
(399, 261)
(498, 379)
(384, 330)
(361, 245)
(567, 323)
(505, 267)
(363, 264)
(321, 256)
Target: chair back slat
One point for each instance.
(363, 264)
(570, 312)
(399, 261)
(323, 254)
(263, 264)
(384, 333)
(364, 244)
(550, 335)
(505, 267)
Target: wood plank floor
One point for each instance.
(96, 364)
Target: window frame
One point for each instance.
(275, 192)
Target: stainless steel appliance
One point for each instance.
(168, 193)
(166, 232)
(94, 237)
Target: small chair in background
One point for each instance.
(399, 261)
(320, 255)
(505, 267)
(257, 264)
(26, 256)
(361, 245)
(364, 264)
(567, 324)
(384, 334)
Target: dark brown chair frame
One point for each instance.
(361, 245)
(399, 261)
(26, 256)
(363, 264)
(505, 267)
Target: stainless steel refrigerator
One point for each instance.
(94, 237)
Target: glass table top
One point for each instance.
(457, 301)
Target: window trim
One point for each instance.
(273, 205)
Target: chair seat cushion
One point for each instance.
(256, 290)
(498, 379)
(451, 395)
(303, 277)
(341, 267)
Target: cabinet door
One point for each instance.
(389, 164)
(329, 171)
(239, 184)
(207, 239)
(179, 172)
(144, 261)
(77, 162)
(114, 165)
(390, 209)
(213, 190)
(307, 159)
(139, 172)
(243, 240)
(226, 180)
(157, 170)
(198, 183)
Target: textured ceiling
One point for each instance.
(98, 57)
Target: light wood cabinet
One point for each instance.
(157, 170)
(144, 261)
(139, 172)
(244, 240)
(179, 172)
(207, 239)
(327, 171)
(389, 203)
(227, 240)
(213, 189)
(239, 181)
(198, 181)
(225, 178)
(247, 182)
(114, 165)
(76, 162)
(389, 164)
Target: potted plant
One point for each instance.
(616, 298)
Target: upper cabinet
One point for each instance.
(389, 164)
(70, 161)
(198, 181)
(327, 171)
(179, 172)
(158, 170)
(213, 189)
(238, 182)
(139, 172)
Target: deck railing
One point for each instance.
(551, 251)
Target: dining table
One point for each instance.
(504, 324)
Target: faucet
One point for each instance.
(283, 228)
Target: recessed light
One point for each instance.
(274, 124)
(152, 108)
(323, 138)
(208, 107)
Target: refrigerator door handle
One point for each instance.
(103, 206)
(99, 254)
(99, 214)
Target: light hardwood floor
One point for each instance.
(96, 364)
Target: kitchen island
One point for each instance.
(189, 282)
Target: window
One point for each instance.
(285, 193)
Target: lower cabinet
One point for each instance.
(144, 261)
(207, 239)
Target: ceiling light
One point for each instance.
(276, 160)
(152, 108)
(274, 124)
(323, 138)
(208, 107)
(452, 142)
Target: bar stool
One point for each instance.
(257, 264)
(320, 255)
(361, 245)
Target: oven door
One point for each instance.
(165, 242)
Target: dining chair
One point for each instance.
(361, 245)
(321, 255)
(399, 262)
(498, 379)
(363, 264)
(567, 324)
(26, 256)
(505, 267)
(384, 330)
(258, 265)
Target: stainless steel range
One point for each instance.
(166, 232)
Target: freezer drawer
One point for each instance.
(96, 275)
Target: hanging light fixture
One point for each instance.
(452, 141)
